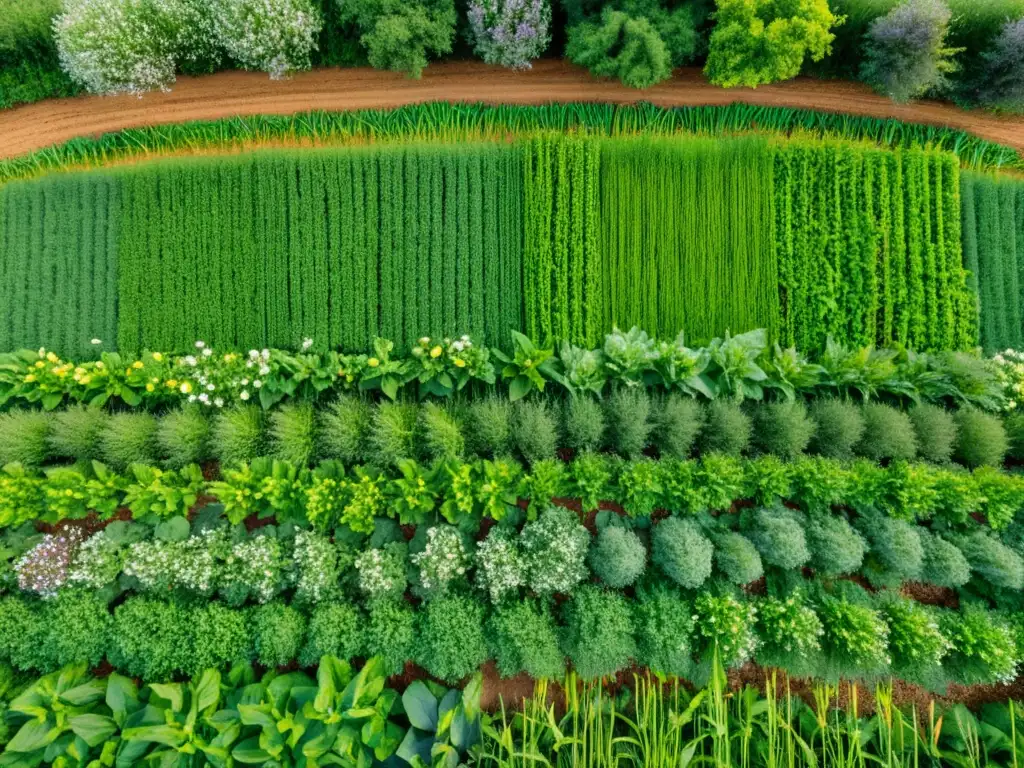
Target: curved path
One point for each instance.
(227, 94)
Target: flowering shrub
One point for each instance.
(499, 564)
(275, 36)
(382, 571)
(914, 635)
(98, 562)
(728, 625)
(510, 32)
(120, 46)
(44, 568)
(443, 561)
(1010, 375)
(788, 629)
(555, 551)
(317, 567)
(855, 635)
(254, 568)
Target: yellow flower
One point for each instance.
(40, 364)
(150, 387)
(127, 371)
(30, 378)
(99, 364)
(158, 356)
(436, 351)
(460, 363)
(172, 383)
(137, 365)
(79, 370)
(373, 362)
(341, 372)
(186, 388)
(85, 380)
(51, 357)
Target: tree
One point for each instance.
(763, 41)
(905, 53)
(398, 35)
(620, 46)
(1004, 68)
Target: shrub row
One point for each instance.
(552, 554)
(629, 423)
(843, 632)
(539, 234)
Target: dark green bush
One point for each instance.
(778, 536)
(441, 433)
(23, 437)
(335, 629)
(400, 36)
(617, 557)
(598, 632)
(839, 427)
(129, 438)
(944, 563)
(151, 638)
(20, 640)
(78, 625)
(836, 548)
(1014, 426)
(489, 431)
(293, 438)
(238, 435)
(535, 430)
(663, 623)
(982, 646)
(682, 551)
(393, 433)
(677, 423)
(935, 429)
(888, 433)
(26, 31)
(737, 558)
(344, 428)
(450, 641)
(783, 429)
(727, 429)
(391, 632)
(584, 424)
(278, 632)
(982, 441)
(620, 46)
(628, 412)
(184, 437)
(523, 638)
(75, 432)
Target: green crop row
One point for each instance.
(560, 235)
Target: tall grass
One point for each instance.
(58, 262)
(687, 236)
(440, 120)
(993, 234)
(870, 247)
(340, 245)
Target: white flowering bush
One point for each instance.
(510, 33)
(500, 568)
(555, 551)
(275, 36)
(44, 568)
(316, 565)
(98, 562)
(194, 564)
(125, 46)
(789, 630)
(443, 561)
(382, 571)
(1010, 374)
(726, 624)
(255, 567)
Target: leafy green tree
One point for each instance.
(764, 41)
(620, 46)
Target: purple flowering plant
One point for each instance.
(510, 32)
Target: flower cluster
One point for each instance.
(316, 565)
(1010, 375)
(728, 624)
(443, 560)
(500, 567)
(446, 365)
(382, 571)
(555, 551)
(510, 33)
(275, 36)
(98, 562)
(44, 568)
(256, 567)
(789, 625)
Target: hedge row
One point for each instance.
(344, 244)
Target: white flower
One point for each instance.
(204, 399)
(424, 340)
(257, 384)
(207, 352)
(200, 344)
(190, 360)
(95, 341)
(210, 387)
(244, 382)
(307, 343)
(219, 402)
(254, 354)
(244, 394)
(264, 370)
(184, 388)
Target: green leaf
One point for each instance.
(33, 735)
(207, 690)
(171, 692)
(93, 729)
(519, 388)
(175, 529)
(420, 707)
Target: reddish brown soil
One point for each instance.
(227, 94)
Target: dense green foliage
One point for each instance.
(993, 247)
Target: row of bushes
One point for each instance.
(843, 632)
(904, 48)
(629, 423)
(551, 555)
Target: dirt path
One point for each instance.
(245, 93)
